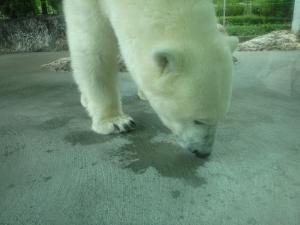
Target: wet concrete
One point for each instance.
(55, 170)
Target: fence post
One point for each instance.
(296, 18)
(224, 12)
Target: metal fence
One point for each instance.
(252, 18)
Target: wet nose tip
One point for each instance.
(202, 155)
(202, 151)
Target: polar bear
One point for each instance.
(173, 51)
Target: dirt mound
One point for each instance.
(59, 65)
(64, 65)
(276, 40)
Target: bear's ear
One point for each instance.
(165, 59)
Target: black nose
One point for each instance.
(202, 155)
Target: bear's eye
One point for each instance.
(198, 122)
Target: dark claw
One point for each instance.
(116, 127)
(132, 124)
(201, 155)
(127, 127)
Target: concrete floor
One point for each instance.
(55, 171)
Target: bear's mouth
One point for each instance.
(201, 150)
(201, 154)
(200, 145)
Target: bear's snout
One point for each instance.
(203, 147)
(199, 140)
(204, 150)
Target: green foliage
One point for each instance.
(255, 17)
(18, 8)
(255, 30)
(278, 8)
(235, 9)
(273, 8)
(23, 8)
(56, 6)
(252, 19)
(231, 9)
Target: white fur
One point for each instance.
(173, 50)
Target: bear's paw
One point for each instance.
(115, 125)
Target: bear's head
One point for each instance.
(191, 92)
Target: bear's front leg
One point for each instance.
(98, 84)
(110, 125)
(94, 51)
